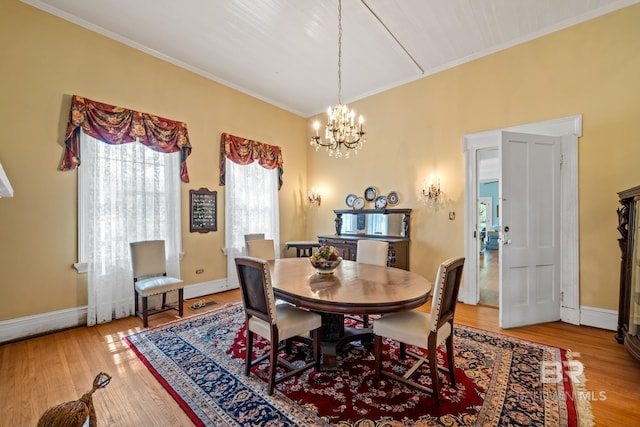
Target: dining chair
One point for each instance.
(374, 252)
(251, 236)
(276, 323)
(424, 330)
(261, 248)
(148, 261)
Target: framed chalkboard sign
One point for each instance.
(203, 210)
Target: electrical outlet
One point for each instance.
(200, 271)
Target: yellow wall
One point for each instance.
(416, 130)
(45, 60)
(413, 131)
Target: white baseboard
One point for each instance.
(29, 326)
(39, 324)
(205, 288)
(599, 317)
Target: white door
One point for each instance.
(530, 229)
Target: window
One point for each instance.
(251, 206)
(126, 192)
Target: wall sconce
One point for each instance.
(431, 192)
(314, 197)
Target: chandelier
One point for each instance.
(341, 131)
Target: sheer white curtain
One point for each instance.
(126, 193)
(251, 206)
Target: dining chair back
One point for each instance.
(251, 236)
(261, 248)
(424, 330)
(149, 265)
(372, 252)
(277, 323)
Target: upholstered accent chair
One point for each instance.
(252, 236)
(279, 324)
(148, 261)
(424, 330)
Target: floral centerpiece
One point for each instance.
(326, 259)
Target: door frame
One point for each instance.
(570, 128)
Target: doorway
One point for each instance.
(488, 179)
(570, 129)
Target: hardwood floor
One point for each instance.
(488, 277)
(38, 373)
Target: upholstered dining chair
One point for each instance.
(261, 248)
(373, 252)
(424, 330)
(276, 323)
(251, 236)
(150, 278)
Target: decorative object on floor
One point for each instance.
(200, 361)
(431, 192)
(78, 413)
(341, 131)
(326, 259)
(314, 197)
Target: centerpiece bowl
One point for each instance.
(326, 259)
(325, 266)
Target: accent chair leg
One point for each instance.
(145, 312)
(180, 302)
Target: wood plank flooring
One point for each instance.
(38, 373)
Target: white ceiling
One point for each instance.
(285, 51)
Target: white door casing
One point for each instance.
(570, 129)
(529, 229)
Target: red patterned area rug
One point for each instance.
(200, 361)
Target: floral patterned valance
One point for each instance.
(115, 125)
(245, 151)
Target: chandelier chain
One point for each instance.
(339, 51)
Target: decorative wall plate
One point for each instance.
(349, 200)
(393, 198)
(358, 203)
(370, 194)
(381, 202)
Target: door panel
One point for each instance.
(530, 229)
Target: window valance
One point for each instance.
(115, 125)
(245, 151)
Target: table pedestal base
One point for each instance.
(335, 336)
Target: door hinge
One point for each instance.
(561, 159)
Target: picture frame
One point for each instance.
(203, 210)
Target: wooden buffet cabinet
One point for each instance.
(388, 225)
(629, 305)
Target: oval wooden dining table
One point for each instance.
(353, 288)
